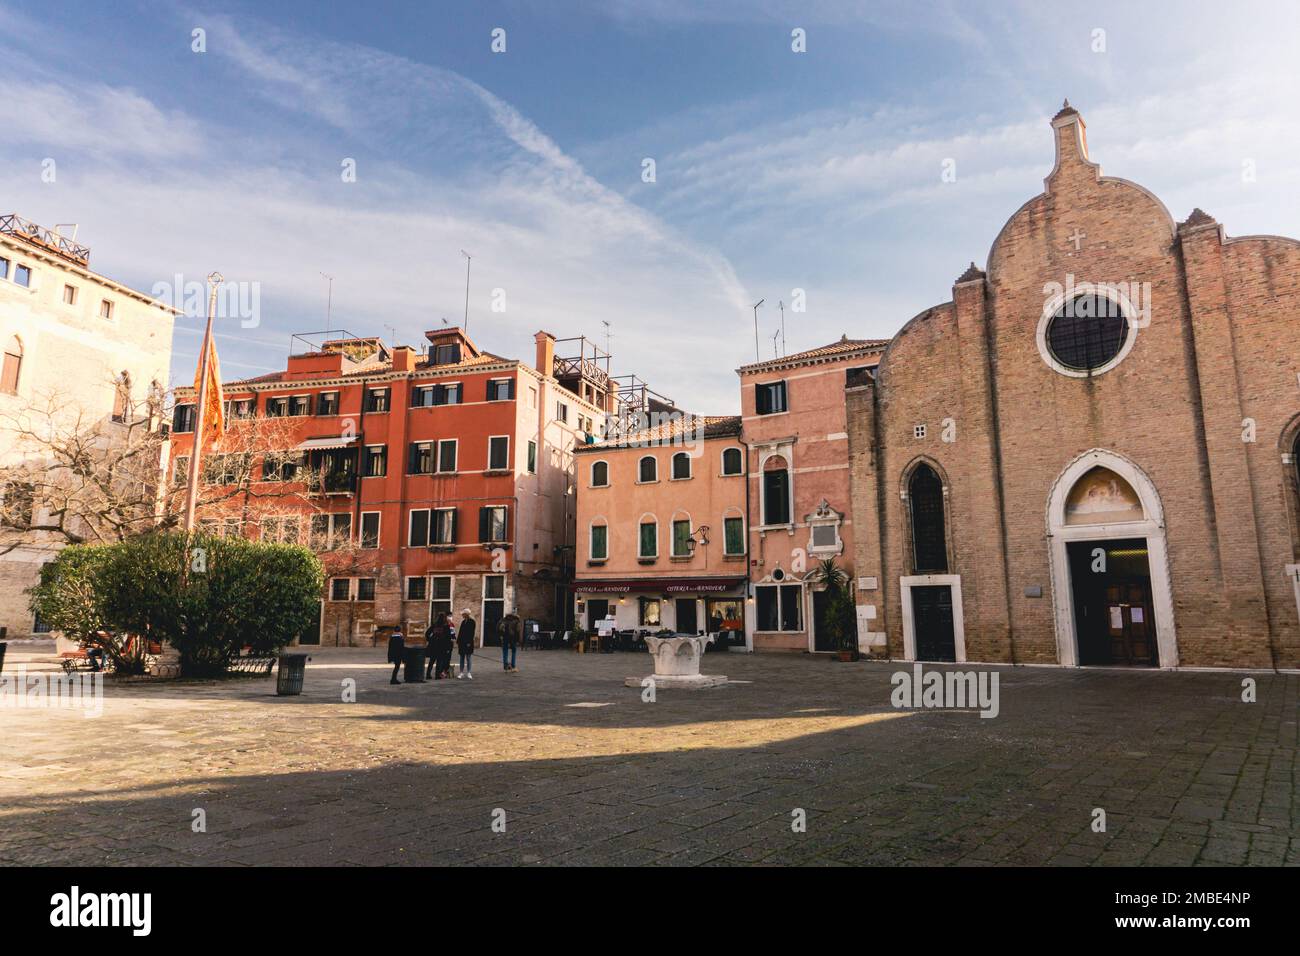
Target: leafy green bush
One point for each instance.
(70, 598)
(210, 596)
(67, 595)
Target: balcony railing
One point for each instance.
(15, 225)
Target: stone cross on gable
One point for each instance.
(1077, 238)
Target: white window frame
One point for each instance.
(410, 521)
(490, 466)
(672, 466)
(366, 449)
(591, 474)
(591, 546)
(722, 462)
(379, 525)
(655, 479)
(744, 532)
(642, 521)
(437, 456)
(450, 598)
(433, 513)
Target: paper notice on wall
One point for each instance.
(1138, 615)
(1116, 618)
(866, 614)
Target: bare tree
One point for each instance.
(71, 477)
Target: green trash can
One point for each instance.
(413, 660)
(288, 679)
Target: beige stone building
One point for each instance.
(70, 337)
(1089, 455)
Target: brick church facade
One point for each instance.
(1088, 456)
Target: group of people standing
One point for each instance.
(440, 637)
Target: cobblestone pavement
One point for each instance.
(585, 772)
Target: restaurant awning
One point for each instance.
(664, 585)
(316, 444)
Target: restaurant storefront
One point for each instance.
(682, 605)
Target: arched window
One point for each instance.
(732, 463)
(13, 363)
(776, 491)
(929, 543)
(599, 474)
(681, 465)
(648, 469)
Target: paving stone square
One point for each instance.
(585, 772)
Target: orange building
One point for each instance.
(428, 481)
(661, 528)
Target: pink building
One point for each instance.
(796, 433)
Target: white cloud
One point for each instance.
(443, 164)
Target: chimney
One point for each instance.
(545, 353)
(403, 358)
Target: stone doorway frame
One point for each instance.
(951, 581)
(1152, 528)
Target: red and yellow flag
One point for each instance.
(214, 418)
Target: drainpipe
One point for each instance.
(749, 587)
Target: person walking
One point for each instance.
(509, 631)
(396, 651)
(438, 637)
(465, 644)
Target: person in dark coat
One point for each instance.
(396, 651)
(509, 629)
(465, 644)
(439, 638)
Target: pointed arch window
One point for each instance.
(929, 540)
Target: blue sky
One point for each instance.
(775, 170)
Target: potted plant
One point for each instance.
(579, 635)
(840, 625)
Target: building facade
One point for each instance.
(1089, 455)
(428, 482)
(662, 529)
(79, 351)
(795, 428)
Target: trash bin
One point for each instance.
(3, 647)
(414, 660)
(288, 680)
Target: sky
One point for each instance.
(374, 143)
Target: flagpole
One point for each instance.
(196, 456)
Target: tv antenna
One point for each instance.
(468, 260)
(608, 334)
(757, 356)
(782, 305)
(775, 335)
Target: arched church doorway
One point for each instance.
(1110, 577)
